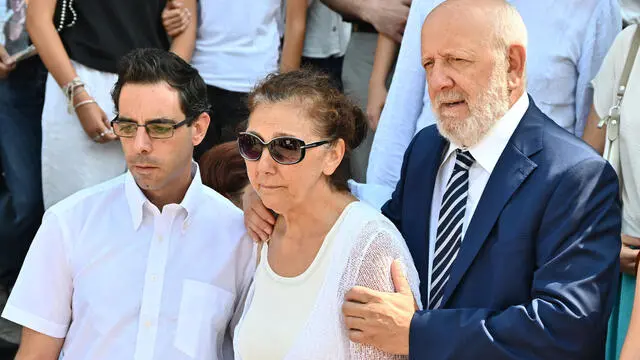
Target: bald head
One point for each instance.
(496, 18)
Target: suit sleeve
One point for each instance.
(572, 290)
(392, 209)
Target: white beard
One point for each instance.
(486, 109)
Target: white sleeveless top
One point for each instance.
(301, 317)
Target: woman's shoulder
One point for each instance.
(622, 43)
(619, 49)
(366, 213)
(368, 227)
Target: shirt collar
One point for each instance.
(137, 200)
(487, 152)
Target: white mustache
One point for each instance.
(448, 97)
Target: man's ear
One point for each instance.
(200, 126)
(517, 60)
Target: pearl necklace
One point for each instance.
(63, 14)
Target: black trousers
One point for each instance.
(228, 114)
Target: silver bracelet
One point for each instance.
(90, 101)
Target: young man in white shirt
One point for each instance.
(149, 265)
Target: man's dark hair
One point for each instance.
(152, 66)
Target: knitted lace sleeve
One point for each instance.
(379, 243)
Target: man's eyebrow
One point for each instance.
(160, 119)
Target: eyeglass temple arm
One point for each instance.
(315, 144)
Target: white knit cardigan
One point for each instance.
(365, 246)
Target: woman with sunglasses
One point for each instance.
(300, 132)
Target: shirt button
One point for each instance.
(160, 238)
(147, 324)
(154, 278)
(334, 28)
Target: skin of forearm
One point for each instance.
(184, 44)
(48, 42)
(349, 9)
(592, 135)
(386, 53)
(293, 44)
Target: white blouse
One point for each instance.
(301, 317)
(605, 85)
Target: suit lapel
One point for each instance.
(510, 172)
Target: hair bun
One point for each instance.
(360, 127)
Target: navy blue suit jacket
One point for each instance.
(537, 272)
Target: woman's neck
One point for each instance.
(314, 219)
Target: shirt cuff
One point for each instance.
(33, 322)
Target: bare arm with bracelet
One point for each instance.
(43, 33)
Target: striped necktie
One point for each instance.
(450, 220)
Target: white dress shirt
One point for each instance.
(118, 279)
(567, 43)
(486, 154)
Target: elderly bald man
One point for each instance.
(513, 223)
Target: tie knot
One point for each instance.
(464, 159)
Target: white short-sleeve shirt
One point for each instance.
(118, 279)
(327, 34)
(237, 43)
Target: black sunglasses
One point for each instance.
(285, 150)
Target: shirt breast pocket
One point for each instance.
(203, 316)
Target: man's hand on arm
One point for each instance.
(381, 319)
(38, 346)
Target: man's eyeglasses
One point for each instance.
(156, 129)
(285, 150)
